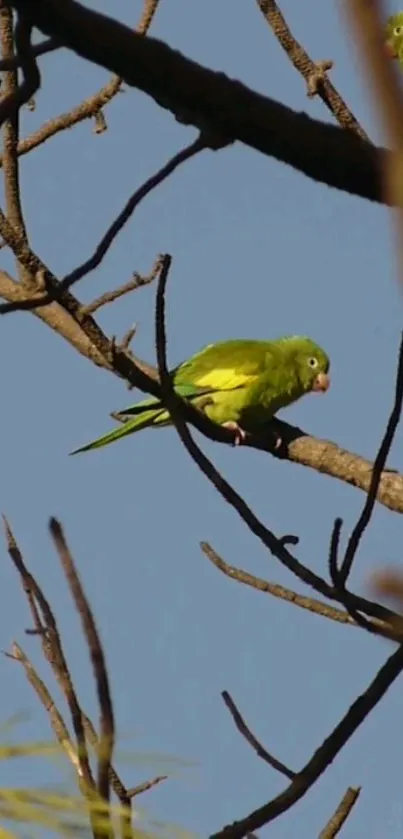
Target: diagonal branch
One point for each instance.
(341, 814)
(324, 755)
(210, 100)
(304, 64)
(107, 723)
(252, 740)
(379, 466)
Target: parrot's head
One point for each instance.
(394, 36)
(311, 365)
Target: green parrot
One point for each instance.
(238, 384)
(394, 37)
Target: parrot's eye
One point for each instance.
(397, 31)
(313, 362)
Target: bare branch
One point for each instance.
(210, 100)
(137, 281)
(252, 740)
(107, 723)
(323, 756)
(342, 813)
(309, 69)
(310, 604)
(90, 107)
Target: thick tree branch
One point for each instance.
(210, 100)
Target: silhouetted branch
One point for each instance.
(137, 281)
(342, 813)
(14, 62)
(252, 740)
(210, 100)
(378, 468)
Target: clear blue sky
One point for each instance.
(259, 251)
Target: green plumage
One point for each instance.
(394, 37)
(240, 383)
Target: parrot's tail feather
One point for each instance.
(146, 419)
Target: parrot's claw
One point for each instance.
(240, 434)
(278, 443)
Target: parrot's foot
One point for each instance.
(240, 434)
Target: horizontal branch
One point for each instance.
(210, 100)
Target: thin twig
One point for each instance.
(324, 755)
(55, 718)
(244, 729)
(133, 792)
(379, 466)
(317, 607)
(107, 724)
(137, 281)
(107, 240)
(342, 813)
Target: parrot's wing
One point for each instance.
(226, 366)
(186, 391)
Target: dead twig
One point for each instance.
(342, 813)
(137, 281)
(53, 650)
(318, 607)
(107, 723)
(244, 729)
(133, 792)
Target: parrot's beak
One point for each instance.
(321, 383)
(390, 51)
